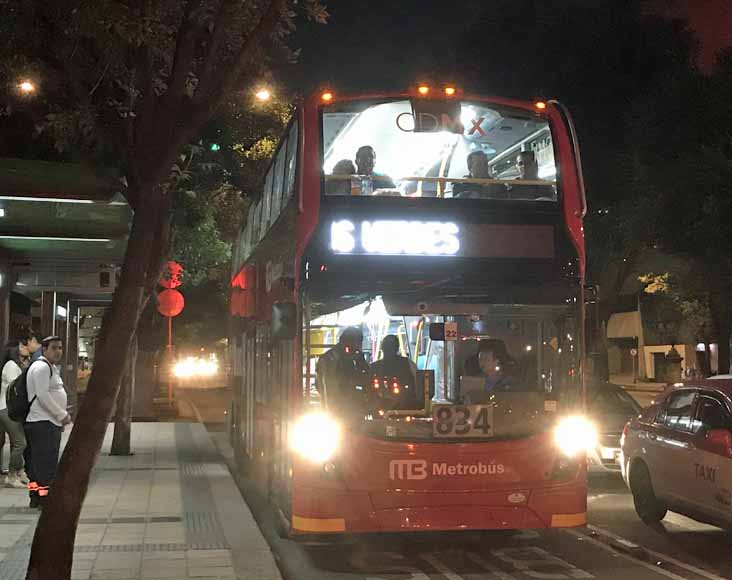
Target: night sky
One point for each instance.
(710, 19)
(394, 45)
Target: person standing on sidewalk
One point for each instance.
(46, 419)
(12, 367)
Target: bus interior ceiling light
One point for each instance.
(315, 436)
(575, 434)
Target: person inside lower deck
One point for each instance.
(341, 375)
(478, 168)
(394, 375)
(494, 365)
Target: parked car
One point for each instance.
(610, 407)
(678, 454)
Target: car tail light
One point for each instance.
(625, 434)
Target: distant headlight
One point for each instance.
(315, 437)
(575, 435)
(195, 367)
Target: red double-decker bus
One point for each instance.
(407, 317)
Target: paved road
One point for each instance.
(615, 545)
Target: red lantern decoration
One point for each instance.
(172, 275)
(170, 303)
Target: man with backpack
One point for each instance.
(46, 418)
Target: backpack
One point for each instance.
(16, 397)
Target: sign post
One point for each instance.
(634, 355)
(170, 304)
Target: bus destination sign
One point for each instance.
(403, 237)
(395, 237)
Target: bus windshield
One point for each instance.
(524, 350)
(454, 149)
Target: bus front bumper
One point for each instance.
(558, 506)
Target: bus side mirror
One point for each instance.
(284, 321)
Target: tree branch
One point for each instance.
(185, 51)
(217, 37)
(223, 83)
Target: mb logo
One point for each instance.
(408, 469)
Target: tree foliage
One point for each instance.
(217, 179)
(129, 84)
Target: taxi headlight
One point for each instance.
(315, 437)
(575, 435)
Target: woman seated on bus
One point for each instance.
(494, 365)
(340, 182)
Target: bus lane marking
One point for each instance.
(528, 559)
(488, 567)
(387, 564)
(441, 567)
(657, 555)
(616, 553)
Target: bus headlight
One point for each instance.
(574, 435)
(315, 437)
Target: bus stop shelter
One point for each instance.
(63, 234)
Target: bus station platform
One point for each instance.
(171, 510)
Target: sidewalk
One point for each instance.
(170, 511)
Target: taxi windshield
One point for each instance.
(454, 149)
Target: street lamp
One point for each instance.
(27, 87)
(263, 95)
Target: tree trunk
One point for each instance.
(123, 415)
(53, 543)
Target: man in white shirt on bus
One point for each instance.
(46, 419)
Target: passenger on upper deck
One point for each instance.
(529, 171)
(365, 162)
(394, 367)
(478, 168)
(343, 170)
(527, 166)
(341, 372)
(494, 364)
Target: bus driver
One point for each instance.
(494, 366)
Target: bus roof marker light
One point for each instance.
(450, 91)
(423, 90)
(541, 105)
(326, 97)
